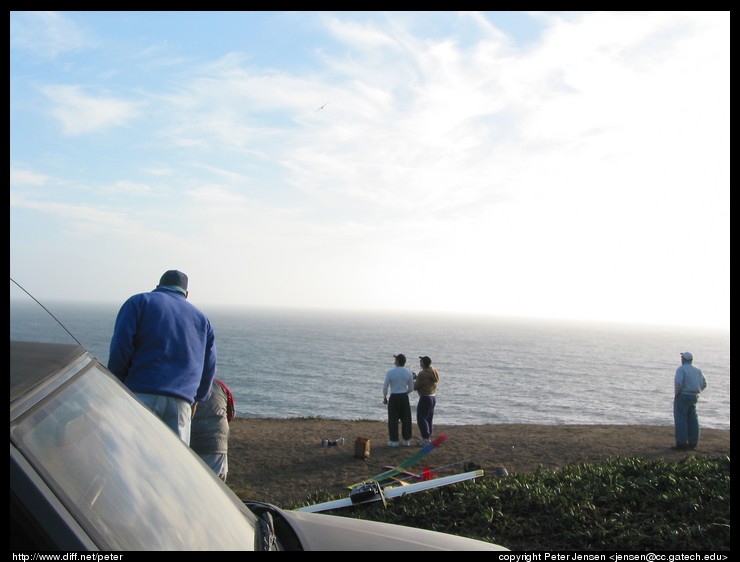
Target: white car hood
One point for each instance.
(318, 531)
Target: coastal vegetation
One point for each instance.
(624, 504)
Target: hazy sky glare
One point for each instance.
(561, 165)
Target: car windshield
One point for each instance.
(130, 482)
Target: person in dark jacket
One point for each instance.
(209, 432)
(163, 349)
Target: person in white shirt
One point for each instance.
(399, 381)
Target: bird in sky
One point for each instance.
(322, 107)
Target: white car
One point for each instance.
(91, 469)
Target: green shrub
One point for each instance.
(627, 504)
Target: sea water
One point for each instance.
(298, 363)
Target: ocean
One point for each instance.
(297, 363)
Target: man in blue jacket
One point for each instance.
(163, 349)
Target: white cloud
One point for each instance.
(80, 113)
(26, 177)
(47, 34)
(130, 188)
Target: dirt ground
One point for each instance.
(283, 461)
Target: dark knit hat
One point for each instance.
(174, 277)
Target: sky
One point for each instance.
(568, 165)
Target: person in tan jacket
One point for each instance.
(425, 383)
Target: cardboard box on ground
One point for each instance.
(362, 448)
